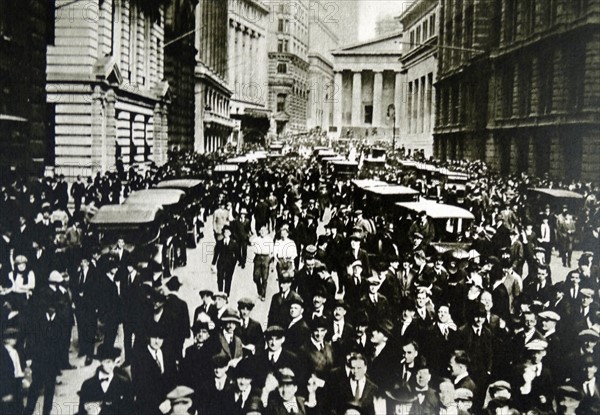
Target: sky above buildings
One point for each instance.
(371, 10)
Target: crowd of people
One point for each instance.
(369, 317)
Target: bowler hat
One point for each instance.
(106, 352)
(173, 283)
(385, 326)
(156, 331)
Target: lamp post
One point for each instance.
(391, 112)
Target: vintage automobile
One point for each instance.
(376, 197)
(450, 222)
(343, 169)
(449, 179)
(191, 207)
(141, 227)
(539, 197)
(222, 170)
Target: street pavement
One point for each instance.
(197, 275)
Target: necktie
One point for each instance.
(160, 367)
(355, 389)
(336, 329)
(272, 357)
(406, 373)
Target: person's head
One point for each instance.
(568, 399)
(422, 298)
(287, 384)
(201, 332)
(355, 243)
(109, 358)
(226, 232)
(574, 278)
(549, 320)
(120, 243)
(446, 391)
(587, 297)
(274, 336)
(373, 285)
(464, 399)
(543, 272)
(423, 376)
(10, 335)
(181, 400)
(156, 340)
(408, 311)
(21, 263)
(459, 363)
(529, 320)
(220, 300)
(410, 351)
(357, 363)
(285, 282)
(478, 315)
(339, 311)
(319, 300)
(264, 231)
(245, 307)
(588, 339)
(590, 367)
(220, 364)
(296, 307)
(285, 232)
(486, 300)
(443, 313)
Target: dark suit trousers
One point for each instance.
(224, 277)
(261, 273)
(42, 378)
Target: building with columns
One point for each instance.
(212, 124)
(248, 68)
(420, 23)
(368, 90)
(288, 66)
(322, 40)
(106, 91)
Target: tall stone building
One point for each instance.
(420, 23)
(544, 102)
(180, 62)
(368, 89)
(213, 125)
(248, 68)
(322, 41)
(105, 85)
(288, 66)
(25, 30)
(466, 36)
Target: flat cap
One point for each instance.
(537, 345)
(221, 294)
(246, 302)
(589, 334)
(180, 393)
(231, 316)
(276, 331)
(587, 292)
(549, 315)
(463, 394)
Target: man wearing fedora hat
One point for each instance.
(178, 310)
(317, 352)
(153, 372)
(196, 366)
(240, 230)
(249, 331)
(384, 357)
(284, 399)
(238, 399)
(108, 390)
(297, 332)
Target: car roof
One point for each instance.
(392, 190)
(566, 194)
(437, 210)
(178, 184)
(125, 214)
(366, 183)
(160, 197)
(226, 168)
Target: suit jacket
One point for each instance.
(178, 308)
(253, 334)
(231, 407)
(341, 393)
(279, 311)
(297, 335)
(209, 310)
(384, 369)
(149, 384)
(479, 348)
(467, 383)
(262, 366)
(436, 348)
(376, 311)
(319, 362)
(361, 256)
(428, 405)
(118, 398)
(275, 406)
(233, 351)
(226, 256)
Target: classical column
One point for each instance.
(377, 98)
(398, 102)
(199, 104)
(336, 97)
(356, 99)
(417, 104)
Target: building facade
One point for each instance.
(420, 23)
(368, 90)
(322, 41)
(288, 67)
(105, 85)
(466, 37)
(180, 62)
(248, 69)
(25, 30)
(213, 125)
(544, 101)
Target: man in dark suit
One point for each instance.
(284, 400)
(107, 389)
(225, 259)
(177, 308)
(196, 367)
(375, 305)
(279, 311)
(275, 356)
(240, 229)
(427, 401)
(207, 307)
(384, 358)
(317, 353)
(476, 340)
(153, 372)
(538, 287)
(11, 373)
(340, 331)
(459, 370)
(357, 388)
(249, 331)
(242, 396)
(109, 305)
(211, 395)
(297, 332)
(356, 285)
(84, 291)
(44, 348)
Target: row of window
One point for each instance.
(423, 31)
(283, 46)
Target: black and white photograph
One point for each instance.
(299, 207)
